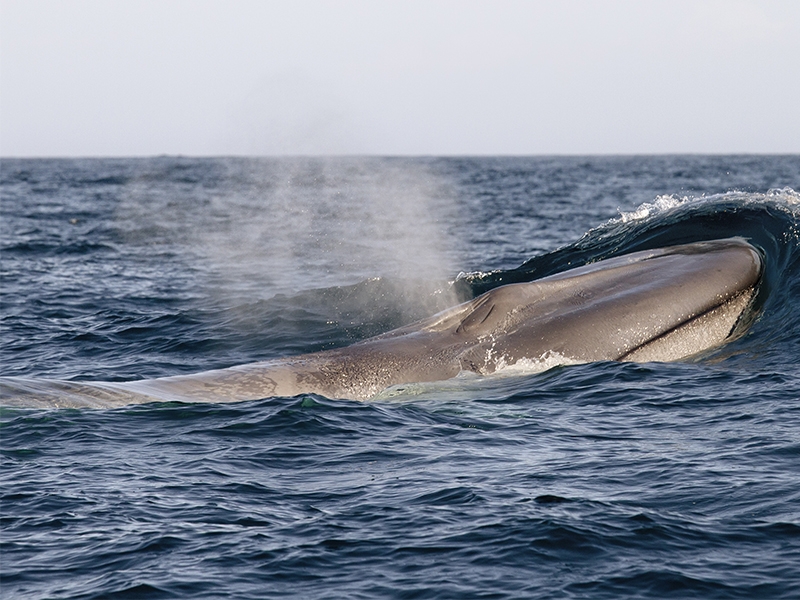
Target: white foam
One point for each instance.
(659, 205)
(468, 379)
(785, 198)
(530, 366)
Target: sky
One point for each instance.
(431, 77)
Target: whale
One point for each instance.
(661, 305)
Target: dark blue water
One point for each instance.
(603, 480)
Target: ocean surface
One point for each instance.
(603, 480)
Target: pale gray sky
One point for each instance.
(212, 77)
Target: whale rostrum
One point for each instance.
(665, 304)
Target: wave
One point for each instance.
(769, 221)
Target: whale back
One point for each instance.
(657, 305)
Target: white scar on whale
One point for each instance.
(666, 304)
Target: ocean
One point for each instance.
(602, 480)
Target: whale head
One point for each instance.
(665, 304)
